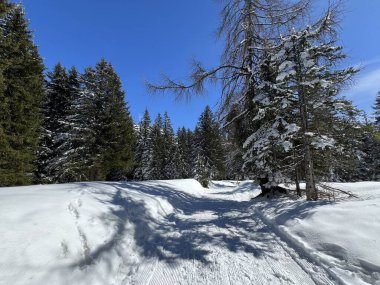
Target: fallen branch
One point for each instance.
(336, 190)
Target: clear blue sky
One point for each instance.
(143, 38)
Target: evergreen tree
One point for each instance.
(71, 147)
(299, 111)
(184, 155)
(202, 171)
(54, 134)
(377, 110)
(21, 95)
(170, 170)
(209, 146)
(110, 132)
(143, 154)
(158, 159)
(368, 167)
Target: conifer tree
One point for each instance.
(299, 110)
(143, 154)
(209, 146)
(184, 153)
(110, 132)
(169, 150)
(71, 152)
(377, 110)
(54, 131)
(157, 148)
(190, 153)
(21, 95)
(202, 171)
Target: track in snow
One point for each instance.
(215, 241)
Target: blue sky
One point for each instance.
(144, 38)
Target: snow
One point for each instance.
(342, 235)
(177, 232)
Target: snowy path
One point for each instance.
(158, 232)
(218, 241)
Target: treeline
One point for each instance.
(161, 154)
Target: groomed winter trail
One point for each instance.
(155, 232)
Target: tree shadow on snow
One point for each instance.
(178, 237)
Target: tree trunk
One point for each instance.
(298, 189)
(311, 190)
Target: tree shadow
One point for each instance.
(178, 236)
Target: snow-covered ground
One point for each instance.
(176, 232)
(343, 236)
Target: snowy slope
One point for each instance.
(154, 232)
(343, 235)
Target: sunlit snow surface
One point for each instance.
(176, 232)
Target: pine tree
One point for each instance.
(54, 134)
(202, 169)
(377, 110)
(157, 149)
(209, 146)
(108, 148)
(184, 155)
(21, 95)
(143, 154)
(169, 150)
(115, 133)
(70, 149)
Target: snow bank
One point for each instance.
(344, 235)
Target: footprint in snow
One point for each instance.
(73, 211)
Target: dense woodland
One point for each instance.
(282, 116)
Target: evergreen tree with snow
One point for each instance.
(170, 170)
(299, 106)
(369, 153)
(143, 153)
(55, 131)
(21, 96)
(109, 133)
(202, 170)
(208, 141)
(190, 153)
(184, 152)
(158, 159)
(377, 110)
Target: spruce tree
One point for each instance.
(109, 134)
(184, 157)
(169, 150)
(143, 152)
(158, 158)
(202, 170)
(377, 110)
(54, 131)
(70, 149)
(21, 95)
(209, 146)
